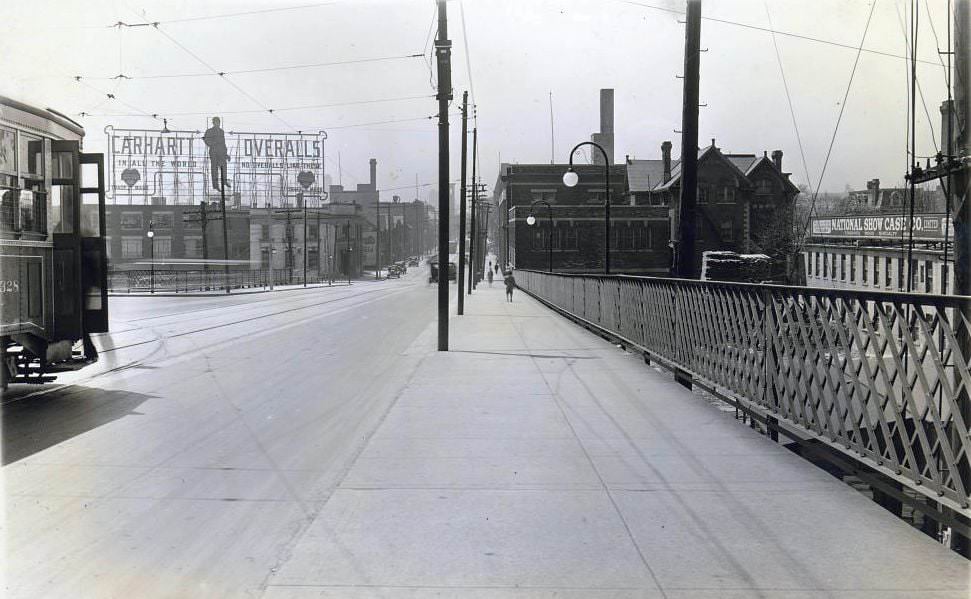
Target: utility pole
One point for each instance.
(269, 234)
(204, 219)
(465, 134)
(377, 241)
(443, 51)
(222, 196)
(475, 196)
(962, 218)
(303, 201)
(686, 221)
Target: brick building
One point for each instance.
(745, 201)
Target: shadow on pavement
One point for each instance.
(33, 424)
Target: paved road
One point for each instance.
(188, 461)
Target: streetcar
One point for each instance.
(53, 261)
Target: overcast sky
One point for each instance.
(518, 52)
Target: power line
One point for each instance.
(465, 44)
(247, 71)
(226, 79)
(121, 24)
(839, 119)
(286, 109)
(776, 31)
(920, 90)
(792, 111)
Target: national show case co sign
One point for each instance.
(262, 167)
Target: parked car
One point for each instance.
(413, 262)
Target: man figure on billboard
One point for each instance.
(215, 139)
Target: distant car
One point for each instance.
(394, 272)
(413, 262)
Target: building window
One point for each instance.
(728, 195)
(876, 270)
(832, 265)
(900, 273)
(928, 276)
(763, 187)
(571, 238)
(264, 232)
(131, 247)
(865, 270)
(852, 268)
(265, 258)
(702, 194)
(539, 240)
(555, 238)
(842, 267)
(162, 220)
(825, 266)
(944, 278)
(818, 260)
(312, 231)
(131, 220)
(887, 268)
(312, 259)
(163, 247)
(193, 247)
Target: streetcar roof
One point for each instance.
(47, 114)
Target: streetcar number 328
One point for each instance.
(9, 286)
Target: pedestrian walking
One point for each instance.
(497, 268)
(489, 276)
(510, 282)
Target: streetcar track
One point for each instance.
(160, 339)
(226, 324)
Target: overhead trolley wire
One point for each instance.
(920, 90)
(121, 75)
(839, 119)
(289, 108)
(224, 78)
(776, 31)
(785, 84)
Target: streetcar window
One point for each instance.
(90, 215)
(8, 151)
(62, 165)
(31, 155)
(8, 209)
(61, 218)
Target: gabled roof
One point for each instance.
(742, 161)
(765, 161)
(644, 175)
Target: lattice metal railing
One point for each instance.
(883, 377)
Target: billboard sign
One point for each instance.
(261, 168)
(927, 227)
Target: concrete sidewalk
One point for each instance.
(537, 460)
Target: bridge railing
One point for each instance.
(881, 377)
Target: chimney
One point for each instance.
(873, 192)
(374, 174)
(666, 157)
(777, 159)
(606, 135)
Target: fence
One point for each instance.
(881, 377)
(185, 281)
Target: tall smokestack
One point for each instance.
(606, 135)
(374, 173)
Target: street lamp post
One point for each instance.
(151, 239)
(531, 220)
(571, 178)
